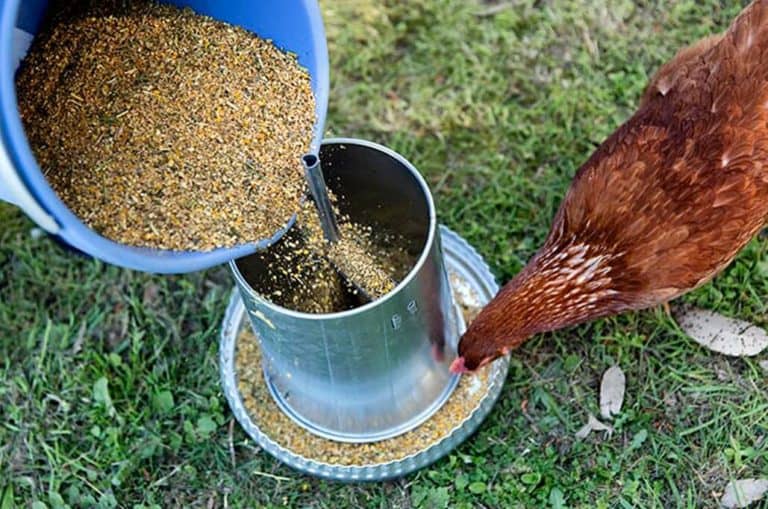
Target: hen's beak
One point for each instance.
(458, 367)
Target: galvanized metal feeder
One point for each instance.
(374, 372)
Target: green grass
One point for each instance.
(110, 394)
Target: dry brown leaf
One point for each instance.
(743, 492)
(721, 334)
(593, 425)
(612, 392)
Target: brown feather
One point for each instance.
(665, 203)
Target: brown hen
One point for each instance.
(664, 204)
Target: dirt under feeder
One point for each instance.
(363, 392)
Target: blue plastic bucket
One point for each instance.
(293, 25)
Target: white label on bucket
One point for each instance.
(20, 44)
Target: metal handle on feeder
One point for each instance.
(314, 175)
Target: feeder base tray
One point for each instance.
(473, 286)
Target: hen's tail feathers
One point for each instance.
(668, 74)
(742, 49)
(749, 31)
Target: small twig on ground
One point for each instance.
(231, 443)
(160, 481)
(493, 10)
(271, 476)
(79, 339)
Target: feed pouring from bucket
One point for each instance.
(349, 298)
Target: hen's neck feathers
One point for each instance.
(563, 284)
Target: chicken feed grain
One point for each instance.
(165, 129)
(303, 272)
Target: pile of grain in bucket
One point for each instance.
(162, 128)
(265, 413)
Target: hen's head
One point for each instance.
(483, 342)
(495, 331)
